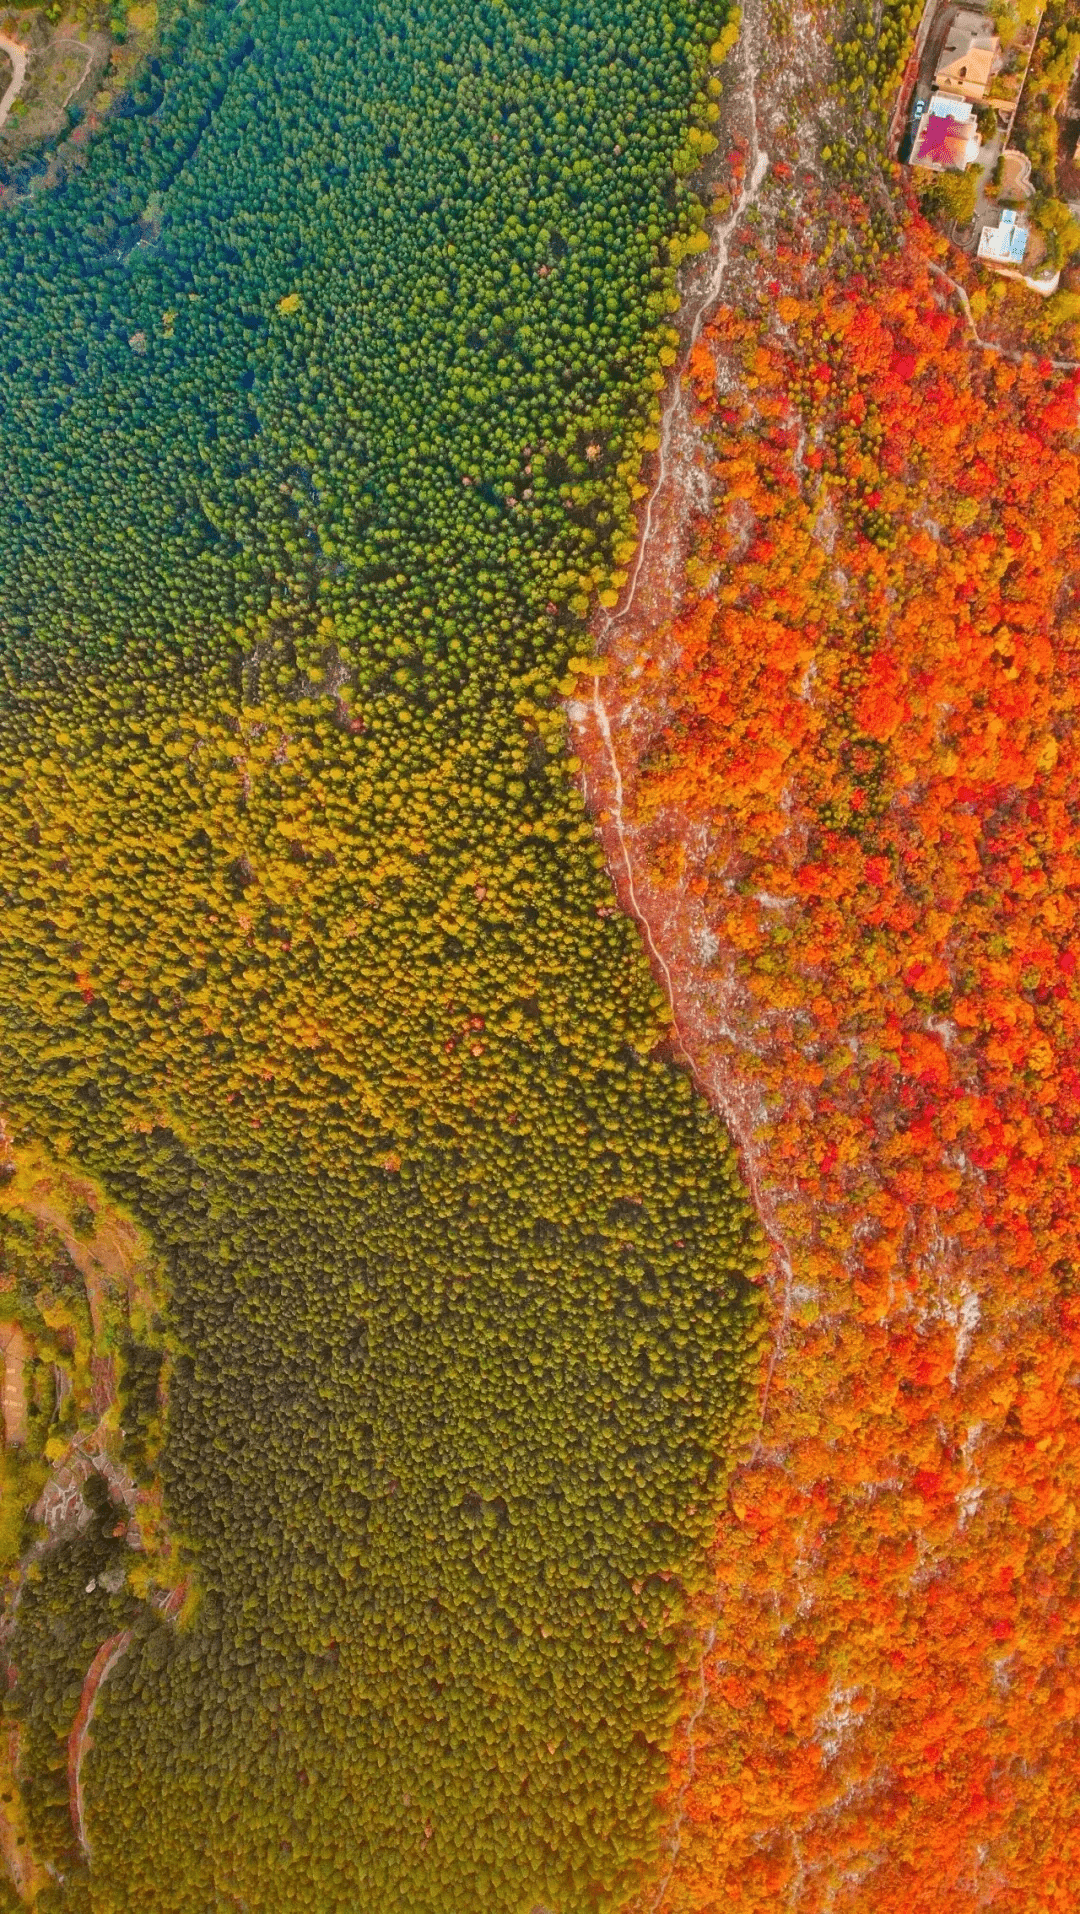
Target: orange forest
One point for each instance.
(857, 819)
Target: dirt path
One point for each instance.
(117, 1272)
(615, 721)
(108, 1656)
(991, 345)
(18, 56)
(107, 1254)
(68, 41)
(612, 732)
(771, 82)
(13, 1345)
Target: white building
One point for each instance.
(1004, 244)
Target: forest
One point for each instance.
(539, 1117)
(328, 374)
(863, 782)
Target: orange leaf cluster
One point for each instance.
(872, 731)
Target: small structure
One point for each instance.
(1004, 244)
(947, 136)
(1012, 245)
(970, 57)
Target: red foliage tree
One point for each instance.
(869, 772)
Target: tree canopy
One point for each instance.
(327, 384)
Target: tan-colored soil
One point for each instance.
(18, 56)
(13, 1345)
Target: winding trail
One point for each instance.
(663, 530)
(108, 1656)
(615, 719)
(18, 56)
(69, 40)
(991, 345)
(606, 739)
(81, 81)
(615, 732)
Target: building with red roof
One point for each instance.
(947, 138)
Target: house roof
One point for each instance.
(969, 55)
(946, 134)
(1006, 242)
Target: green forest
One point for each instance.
(327, 378)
